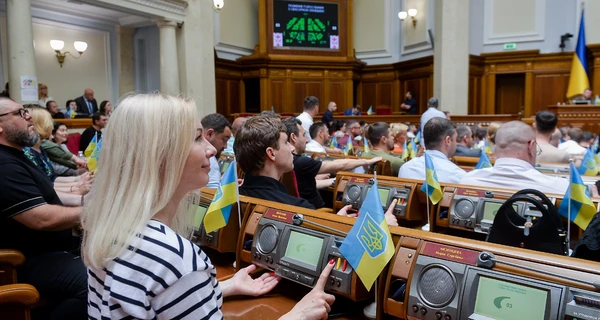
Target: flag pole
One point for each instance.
(571, 166)
(426, 227)
(237, 194)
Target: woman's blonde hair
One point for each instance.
(492, 129)
(144, 150)
(40, 86)
(42, 122)
(398, 128)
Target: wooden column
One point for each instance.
(528, 89)
(595, 81)
(265, 98)
(490, 89)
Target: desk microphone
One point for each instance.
(298, 219)
(488, 260)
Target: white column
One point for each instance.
(21, 56)
(451, 56)
(197, 54)
(126, 60)
(169, 71)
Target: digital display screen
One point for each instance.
(224, 166)
(304, 248)
(502, 300)
(491, 208)
(199, 216)
(383, 195)
(305, 24)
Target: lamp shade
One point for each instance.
(57, 45)
(412, 12)
(80, 46)
(218, 4)
(402, 15)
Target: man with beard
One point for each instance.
(35, 222)
(382, 142)
(217, 131)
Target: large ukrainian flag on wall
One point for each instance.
(368, 247)
(578, 81)
(226, 196)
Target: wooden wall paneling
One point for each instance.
(264, 90)
(242, 96)
(314, 88)
(510, 93)
(299, 93)
(221, 93)
(549, 89)
(369, 95)
(384, 95)
(326, 97)
(277, 94)
(336, 94)
(595, 68)
(233, 90)
(474, 106)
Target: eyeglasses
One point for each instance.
(538, 149)
(23, 112)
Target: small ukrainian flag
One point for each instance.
(588, 166)
(370, 111)
(227, 194)
(582, 206)
(484, 162)
(431, 185)
(349, 148)
(366, 145)
(95, 157)
(368, 247)
(90, 148)
(405, 151)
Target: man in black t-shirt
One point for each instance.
(410, 104)
(327, 118)
(307, 169)
(98, 123)
(34, 221)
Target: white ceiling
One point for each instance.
(92, 12)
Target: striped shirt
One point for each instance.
(167, 277)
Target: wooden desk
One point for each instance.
(584, 116)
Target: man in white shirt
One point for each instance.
(311, 109)
(516, 150)
(432, 112)
(320, 135)
(572, 146)
(440, 144)
(217, 131)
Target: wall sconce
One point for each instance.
(58, 45)
(412, 13)
(218, 4)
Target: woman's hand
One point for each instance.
(81, 163)
(316, 304)
(243, 284)
(344, 212)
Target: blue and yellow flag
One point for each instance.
(588, 166)
(226, 196)
(579, 81)
(95, 156)
(349, 148)
(368, 246)
(431, 185)
(418, 137)
(370, 111)
(486, 147)
(333, 144)
(582, 206)
(413, 149)
(366, 145)
(90, 148)
(484, 162)
(404, 151)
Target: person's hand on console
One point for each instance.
(390, 218)
(344, 211)
(316, 304)
(243, 284)
(322, 176)
(373, 160)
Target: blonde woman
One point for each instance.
(43, 95)
(399, 132)
(491, 135)
(140, 261)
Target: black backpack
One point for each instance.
(544, 234)
(588, 246)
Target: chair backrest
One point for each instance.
(73, 142)
(289, 180)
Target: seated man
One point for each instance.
(353, 132)
(35, 222)
(545, 126)
(440, 144)
(382, 142)
(516, 151)
(571, 146)
(98, 123)
(320, 135)
(465, 143)
(355, 111)
(217, 131)
(264, 154)
(307, 169)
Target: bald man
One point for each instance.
(235, 127)
(516, 151)
(86, 104)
